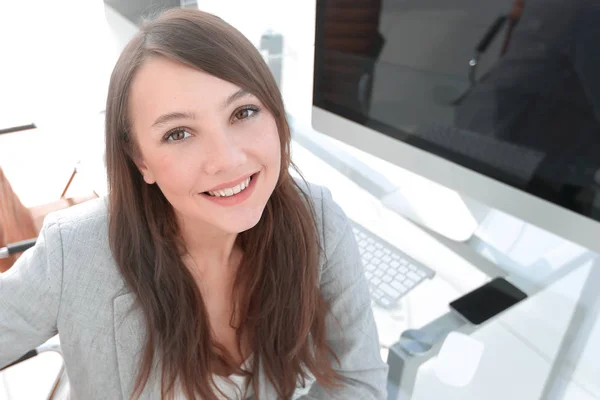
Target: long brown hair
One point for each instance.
(279, 304)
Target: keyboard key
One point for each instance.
(413, 276)
(399, 286)
(377, 293)
(390, 273)
(388, 290)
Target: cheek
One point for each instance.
(268, 144)
(173, 175)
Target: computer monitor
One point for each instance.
(497, 102)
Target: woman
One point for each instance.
(208, 272)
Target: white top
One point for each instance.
(233, 388)
(232, 391)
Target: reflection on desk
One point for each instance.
(529, 356)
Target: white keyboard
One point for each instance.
(390, 272)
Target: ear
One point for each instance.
(144, 170)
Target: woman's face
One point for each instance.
(212, 148)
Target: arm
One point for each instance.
(30, 296)
(345, 288)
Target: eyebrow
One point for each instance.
(165, 118)
(235, 96)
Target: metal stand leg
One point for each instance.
(414, 348)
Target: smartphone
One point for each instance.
(488, 301)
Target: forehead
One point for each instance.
(162, 85)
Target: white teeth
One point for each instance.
(231, 191)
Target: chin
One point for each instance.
(240, 225)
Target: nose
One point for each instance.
(223, 152)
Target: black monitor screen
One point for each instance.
(508, 88)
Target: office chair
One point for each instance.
(25, 224)
(19, 226)
(60, 386)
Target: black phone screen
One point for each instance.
(488, 300)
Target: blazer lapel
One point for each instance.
(129, 341)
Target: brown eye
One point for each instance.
(244, 113)
(177, 135)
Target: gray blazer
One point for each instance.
(69, 284)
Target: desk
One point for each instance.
(528, 348)
(455, 275)
(528, 354)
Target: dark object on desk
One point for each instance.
(488, 301)
(17, 128)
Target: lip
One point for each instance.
(231, 184)
(236, 199)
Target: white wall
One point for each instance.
(295, 20)
(56, 64)
(59, 60)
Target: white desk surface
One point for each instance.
(522, 346)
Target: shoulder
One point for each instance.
(331, 221)
(82, 228)
(89, 218)
(91, 209)
(82, 233)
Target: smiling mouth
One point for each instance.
(229, 192)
